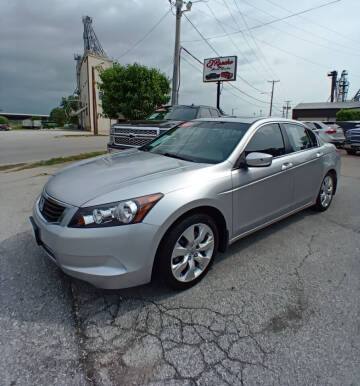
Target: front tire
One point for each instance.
(326, 193)
(188, 250)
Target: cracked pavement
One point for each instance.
(280, 307)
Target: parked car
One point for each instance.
(212, 75)
(166, 208)
(227, 74)
(352, 140)
(139, 133)
(328, 132)
(5, 126)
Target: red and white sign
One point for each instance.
(220, 69)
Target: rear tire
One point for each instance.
(351, 152)
(326, 193)
(187, 251)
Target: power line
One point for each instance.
(147, 34)
(202, 36)
(297, 56)
(217, 53)
(303, 30)
(252, 37)
(232, 40)
(273, 21)
(317, 24)
(230, 84)
(194, 57)
(198, 69)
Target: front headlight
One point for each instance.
(116, 213)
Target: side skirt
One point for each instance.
(242, 235)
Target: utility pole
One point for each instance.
(333, 75)
(287, 108)
(272, 94)
(175, 81)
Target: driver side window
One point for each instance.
(268, 139)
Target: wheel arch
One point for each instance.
(209, 210)
(334, 174)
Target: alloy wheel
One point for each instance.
(192, 252)
(326, 191)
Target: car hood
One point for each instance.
(121, 172)
(151, 123)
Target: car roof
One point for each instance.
(251, 120)
(195, 106)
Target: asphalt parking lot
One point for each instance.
(19, 146)
(280, 307)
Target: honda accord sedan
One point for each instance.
(167, 208)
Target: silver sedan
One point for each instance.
(167, 208)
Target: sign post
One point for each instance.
(221, 69)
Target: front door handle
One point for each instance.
(319, 154)
(287, 165)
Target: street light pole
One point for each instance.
(272, 94)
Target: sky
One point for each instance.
(40, 37)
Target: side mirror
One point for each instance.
(258, 159)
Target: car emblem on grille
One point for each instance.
(41, 203)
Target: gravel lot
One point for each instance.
(280, 307)
(19, 146)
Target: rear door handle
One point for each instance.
(287, 165)
(319, 154)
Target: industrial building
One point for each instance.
(88, 67)
(321, 111)
(326, 111)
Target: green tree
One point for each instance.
(35, 118)
(3, 120)
(348, 115)
(58, 115)
(132, 90)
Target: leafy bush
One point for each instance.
(132, 90)
(35, 118)
(58, 115)
(348, 115)
(3, 120)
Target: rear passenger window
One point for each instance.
(268, 139)
(299, 137)
(313, 139)
(214, 113)
(204, 113)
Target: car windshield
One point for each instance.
(206, 141)
(158, 115)
(181, 113)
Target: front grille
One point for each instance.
(121, 130)
(50, 210)
(134, 141)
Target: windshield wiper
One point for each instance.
(176, 156)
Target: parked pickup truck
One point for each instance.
(352, 140)
(138, 133)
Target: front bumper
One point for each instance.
(112, 257)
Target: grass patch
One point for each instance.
(60, 160)
(11, 166)
(81, 135)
